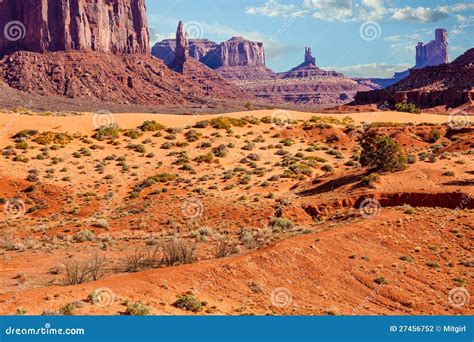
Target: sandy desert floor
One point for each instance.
(188, 214)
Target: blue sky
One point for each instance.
(367, 38)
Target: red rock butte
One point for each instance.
(114, 26)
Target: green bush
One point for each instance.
(137, 309)
(407, 108)
(189, 303)
(435, 135)
(152, 126)
(370, 180)
(382, 153)
(281, 223)
(111, 131)
(133, 133)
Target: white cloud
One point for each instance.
(349, 10)
(372, 70)
(371, 9)
(398, 38)
(330, 10)
(273, 8)
(420, 14)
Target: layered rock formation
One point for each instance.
(433, 53)
(308, 69)
(98, 50)
(237, 51)
(308, 85)
(198, 48)
(210, 81)
(116, 26)
(449, 85)
(235, 59)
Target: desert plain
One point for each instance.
(252, 213)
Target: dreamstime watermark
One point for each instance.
(192, 208)
(458, 297)
(283, 28)
(370, 30)
(281, 297)
(14, 209)
(14, 30)
(103, 118)
(103, 297)
(46, 330)
(194, 29)
(281, 119)
(370, 208)
(458, 120)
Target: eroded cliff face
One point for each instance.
(115, 26)
(237, 51)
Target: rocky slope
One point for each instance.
(118, 26)
(99, 52)
(449, 85)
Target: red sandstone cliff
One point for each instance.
(116, 26)
(450, 85)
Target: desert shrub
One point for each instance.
(224, 246)
(226, 122)
(137, 309)
(327, 168)
(111, 131)
(287, 142)
(202, 124)
(133, 133)
(298, 169)
(152, 126)
(22, 145)
(434, 136)
(83, 236)
(205, 144)
(407, 209)
(204, 158)
(248, 105)
(167, 145)
(163, 177)
(281, 223)
(177, 252)
(192, 135)
(411, 159)
(382, 153)
(80, 272)
(407, 108)
(67, 309)
(142, 259)
(188, 302)
(370, 180)
(26, 133)
(47, 138)
(76, 273)
(220, 151)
